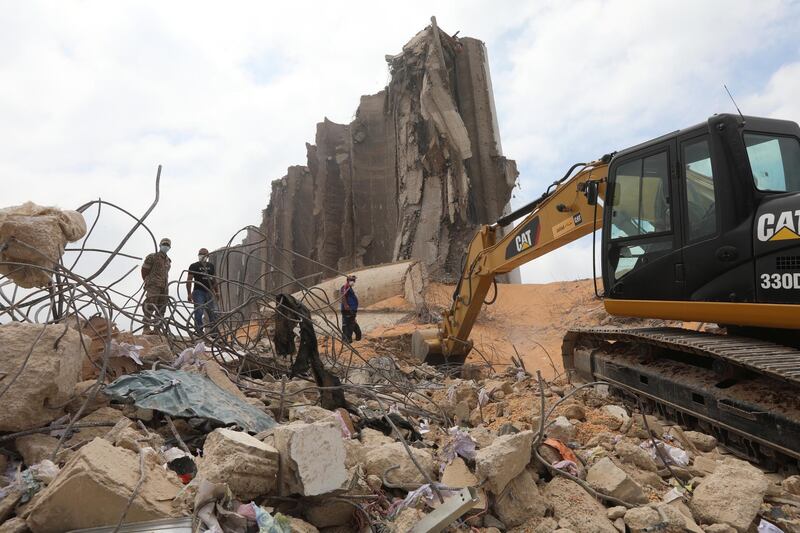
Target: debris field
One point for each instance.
(269, 422)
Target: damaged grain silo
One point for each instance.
(412, 177)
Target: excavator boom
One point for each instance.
(566, 212)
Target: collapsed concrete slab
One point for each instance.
(247, 465)
(41, 364)
(34, 238)
(94, 487)
(731, 495)
(575, 508)
(382, 458)
(305, 469)
(411, 177)
(608, 478)
(503, 460)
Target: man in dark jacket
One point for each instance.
(205, 290)
(349, 307)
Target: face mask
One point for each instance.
(352, 283)
(202, 258)
(164, 248)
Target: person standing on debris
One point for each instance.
(349, 305)
(205, 292)
(155, 273)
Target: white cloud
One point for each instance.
(95, 94)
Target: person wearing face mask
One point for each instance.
(205, 291)
(155, 273)
(349, 308)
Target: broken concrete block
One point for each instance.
(719, 528)
(9, 502)
(617, 414)
(304, 470)
(94, 487)
(104, 414)
(482, 436)
(329, 513)
(82, 391)
(48, 377)
(301, 526)
(15, 525)
(616, 512)
(247, 465)
(791, 484)
(503, 460)
(35, 448)
(380, 458)
(520, 501)
(701, 441)
(660, 518)
(574, 411)
(406, 520)
(576, 508)
(639, 430)
(562, 429)
(641, 518)
(36, 236)
(458, 475)
(608, 478)
(731, 495)
(309, 413)
(703, 465)
(629, 452)
(373, 437)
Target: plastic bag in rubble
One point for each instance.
(672, 454)
(45, 471)
(123, 349)
(460, 443)
(569, 467)
(425, 492)
(768, 527)
(190, 355)
(451, 393)
(483, 397)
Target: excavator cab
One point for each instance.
(708, 214)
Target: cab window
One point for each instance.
(700, 198)
(640, 201)
(775, 162)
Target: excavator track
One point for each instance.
(744, 391)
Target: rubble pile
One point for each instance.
(585, 463)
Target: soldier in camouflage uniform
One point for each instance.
(155, 273)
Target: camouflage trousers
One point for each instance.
(155, 303)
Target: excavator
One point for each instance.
(699, 226)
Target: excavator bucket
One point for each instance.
(426, 344)
(427, 347)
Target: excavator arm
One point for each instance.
(567, 211)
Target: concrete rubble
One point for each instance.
(592, 470)
(35, 237)
(38, 393)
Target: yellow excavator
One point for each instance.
(699, 225)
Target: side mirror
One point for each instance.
(591, 192)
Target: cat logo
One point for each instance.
(526, 237)
(524, 241)
(781, 227)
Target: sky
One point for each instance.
(96, 94)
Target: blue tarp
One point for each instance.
(188, 394)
